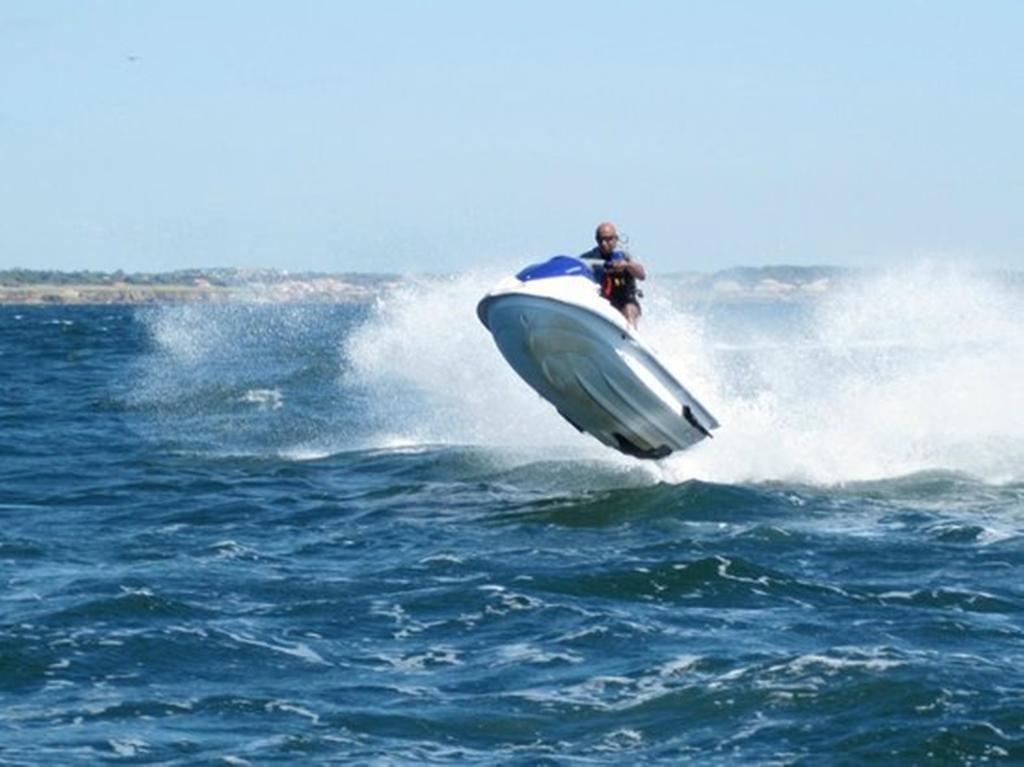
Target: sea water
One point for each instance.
(254, 533)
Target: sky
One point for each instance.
(443, 136)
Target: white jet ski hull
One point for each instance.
(575, 350)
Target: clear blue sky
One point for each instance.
(435, 136)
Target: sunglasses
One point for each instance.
(611, 238)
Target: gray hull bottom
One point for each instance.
(600, 378)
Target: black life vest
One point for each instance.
(618, 287)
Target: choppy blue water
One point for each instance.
(264, 533)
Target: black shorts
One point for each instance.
(621, 303)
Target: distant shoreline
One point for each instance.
(331, 291)
(48, 295)
(46, 288)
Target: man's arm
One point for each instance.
(629, 265)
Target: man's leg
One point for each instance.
(632, 314)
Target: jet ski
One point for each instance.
(577, 351)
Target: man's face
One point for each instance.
(607, 239)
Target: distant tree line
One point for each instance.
(23, 277)
(220, 277)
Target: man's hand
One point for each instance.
(622, 265)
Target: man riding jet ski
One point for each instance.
(616, 272)
(567, 326)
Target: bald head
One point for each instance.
(607, 237)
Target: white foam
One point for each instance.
(911, 370)
(421, 662)
(264, 399)
(525, 653)
(897, 373)
(437, 377)
(129, 747)
(292, 708)
(294, 649)
(904, 372)
(830, 665)
(304, 453)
